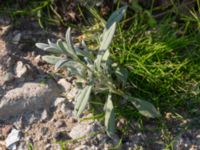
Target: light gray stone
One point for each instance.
(60, 124)
(31, 118)
(28, 97)
(65, 84)
(20, 69)
(83, 129)
(82, 147)
(66, 110)
(72, 93)
(58, 101)
(38, 59)
(22, 146)
(16, 38)
(12, 139)
(8, 76)
(44, 115)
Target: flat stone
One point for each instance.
(58, 101)
(28, 97)
(13, 138)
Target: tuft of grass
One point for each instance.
(163, 64)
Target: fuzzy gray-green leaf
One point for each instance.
(75, 68)
(109, 116)
(51, 43)
(41, 45)
(84, 53)
(106, 40)
(107, 37)
(51, 59)
(60, 63)
(53, 50)
(144, 107)
(82, 100)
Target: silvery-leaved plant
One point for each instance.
(96, 73)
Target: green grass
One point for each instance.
(163, 65)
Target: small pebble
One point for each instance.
(73, 120)
(58, 101)
(65, 84)
(44, 116)
(60, 123)
(48, 147)
(61, 135)
(44, 130)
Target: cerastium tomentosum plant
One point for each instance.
(96, 73)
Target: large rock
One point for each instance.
(28, 97)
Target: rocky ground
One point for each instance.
(36, 103)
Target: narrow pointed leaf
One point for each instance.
(109, 117)
(106, 40)
(82, 100)
(145, 108)
(69, 40)
(50, 47)
(107, 37)
(106, 56)
(116, 16)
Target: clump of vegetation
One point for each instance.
(97, 74)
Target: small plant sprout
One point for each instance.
(96, 74)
